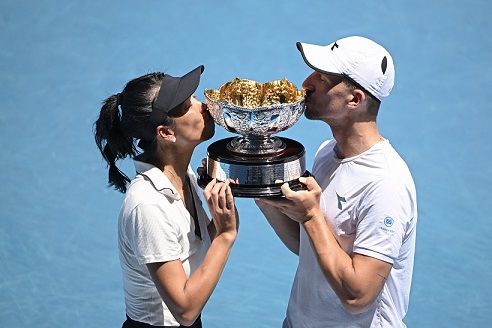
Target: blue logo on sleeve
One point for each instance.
(388, 221)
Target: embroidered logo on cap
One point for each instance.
(384, 64)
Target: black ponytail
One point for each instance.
(112, 141)
(115, 133)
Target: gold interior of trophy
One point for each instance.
(252, 94)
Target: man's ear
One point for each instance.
(357, 97)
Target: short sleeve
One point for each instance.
(152, 235)
(383, 216)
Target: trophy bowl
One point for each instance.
(256, 111)
(258, 162)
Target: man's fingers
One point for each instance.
(287, 191)
(202, 169)
(310, 183)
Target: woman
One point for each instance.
(171, 254)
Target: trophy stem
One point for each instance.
(252, 145)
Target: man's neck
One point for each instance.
(352, 142)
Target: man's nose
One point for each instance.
(308, 85)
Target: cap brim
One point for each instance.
(173, 91)
(187, 85)
(318, 58)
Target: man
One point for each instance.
(354, 227)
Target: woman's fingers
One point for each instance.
(229, 197)
(219, 194)
(208, 189)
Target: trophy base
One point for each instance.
(256, 175)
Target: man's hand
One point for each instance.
(202, 169)
(300, 206)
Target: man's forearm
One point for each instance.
(285, 228)
(356, 280)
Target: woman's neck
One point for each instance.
(175, 165)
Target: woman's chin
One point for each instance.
(208, 133)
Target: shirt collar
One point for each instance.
(157, 178)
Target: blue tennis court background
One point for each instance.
(59, 59)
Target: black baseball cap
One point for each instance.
(174, 91)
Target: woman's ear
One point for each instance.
(165, 133)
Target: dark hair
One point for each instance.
(116, 133)
(372, 103)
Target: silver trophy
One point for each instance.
(258, 162)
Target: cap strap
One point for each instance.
(160, 107)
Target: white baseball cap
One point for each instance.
(361, 60)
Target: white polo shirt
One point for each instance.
(155, 226)
(370, 203)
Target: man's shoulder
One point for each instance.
(326, 147)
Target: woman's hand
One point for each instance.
(220, 201)
(185, 296)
